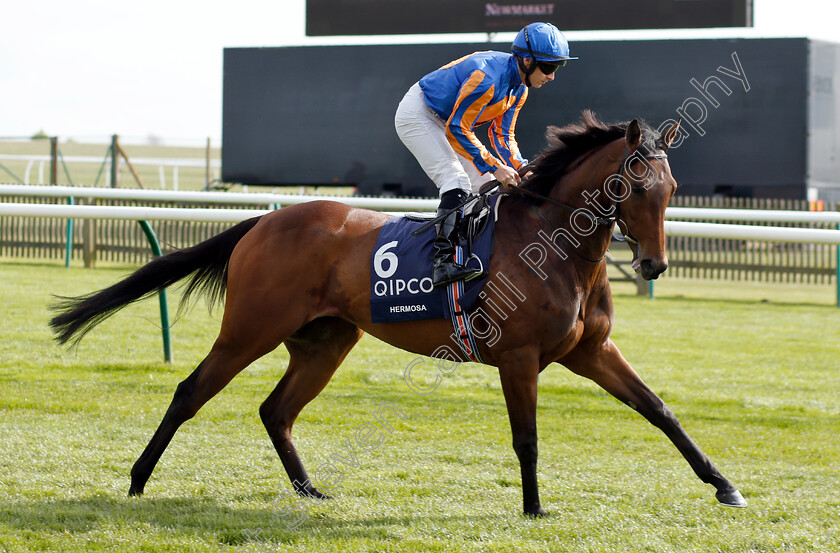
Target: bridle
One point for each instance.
(615, 218)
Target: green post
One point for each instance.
(650, 289)
(164, 311)
(68, 249)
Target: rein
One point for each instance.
(526, 192)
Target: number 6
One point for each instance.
(382, 255)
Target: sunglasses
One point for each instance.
(549, 68)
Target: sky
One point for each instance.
(87, 69)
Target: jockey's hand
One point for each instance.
(526, 170)
(507, 176)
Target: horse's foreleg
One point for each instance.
(519, 384)
(315, 352)
(612, 372)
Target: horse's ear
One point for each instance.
(669, 135)
(633, 135)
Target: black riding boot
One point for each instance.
(446, 270)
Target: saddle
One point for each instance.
(475, 217)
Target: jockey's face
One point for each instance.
(537, 78)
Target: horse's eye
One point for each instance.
(638, 189)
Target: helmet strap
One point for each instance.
(525, 69)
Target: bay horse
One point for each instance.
(300, 276)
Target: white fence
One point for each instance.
(130, 213)
(273, 201)
(40, 163)
(674, 228)
(379, 204)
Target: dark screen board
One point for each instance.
(395, 17)
(759, 115)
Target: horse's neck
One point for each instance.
(584, 185)
(584, 189)
(560, 229)
(544, 235)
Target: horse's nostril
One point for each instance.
(651, 269)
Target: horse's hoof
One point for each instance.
(538, 513)
(313, 493)
(731, 498)
(135, 491)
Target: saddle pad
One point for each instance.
(401, 272)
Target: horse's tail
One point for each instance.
(207, 262)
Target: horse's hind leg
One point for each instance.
(208, 379)
(315, 352)
(612, 372)
(242, 340)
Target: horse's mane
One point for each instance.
(566, 144)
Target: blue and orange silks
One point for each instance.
(475, 89)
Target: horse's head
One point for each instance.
(641, 188)
(621, 171)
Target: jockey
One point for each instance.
(435, 121)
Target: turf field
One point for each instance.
(751, 370)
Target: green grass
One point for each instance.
(750, 369)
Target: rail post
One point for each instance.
(641, 286)
(115, 161)
(68, 248)
(164, 310)
(89, 239)
(53, 160)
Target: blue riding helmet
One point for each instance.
(542, 42)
